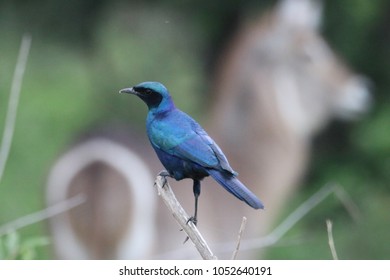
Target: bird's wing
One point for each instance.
(201, 149)
(188, 140)
(198, 150)
(215, 151)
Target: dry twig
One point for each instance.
(165, 192)
(289, 222)
(330, 239)
(293, 219)
(42, 215)
(242, 228)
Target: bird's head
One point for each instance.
(152, 93)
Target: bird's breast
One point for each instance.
(167, 133)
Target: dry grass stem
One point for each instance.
(42, 214)
(242, 228)
(330, 239)
(13, 102)
(295, 217)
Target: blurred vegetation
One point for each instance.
(84, 51)
(13, 248)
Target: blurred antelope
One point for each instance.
(117, 220)
(278, 84)
(121, 217)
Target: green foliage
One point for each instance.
(12, 247)
(130, 50)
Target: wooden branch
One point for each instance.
(278, 233)
(166, 193)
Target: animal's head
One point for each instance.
(153, 94)
(318, 72)
(284, 57)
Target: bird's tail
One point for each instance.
(235, 187)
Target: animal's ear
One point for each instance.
(300, 13)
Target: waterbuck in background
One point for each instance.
(278, 84)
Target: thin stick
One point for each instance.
(13, 102)
(165, 192)
(348, 203)
(278, 232)
(330, 239)
(290, 221)
(242, 228)
(42, 214)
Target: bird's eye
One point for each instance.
(146, 91)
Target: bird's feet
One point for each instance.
(164, 174)
(192, 219)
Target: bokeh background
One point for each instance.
(83, 52)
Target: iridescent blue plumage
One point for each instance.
(183, 147)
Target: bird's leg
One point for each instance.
(194, 219)
(164, 174)
(196, 189)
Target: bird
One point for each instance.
(184, 148)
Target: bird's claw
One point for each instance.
(193, 220)
(163, 174)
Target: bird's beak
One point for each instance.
(128, 90)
